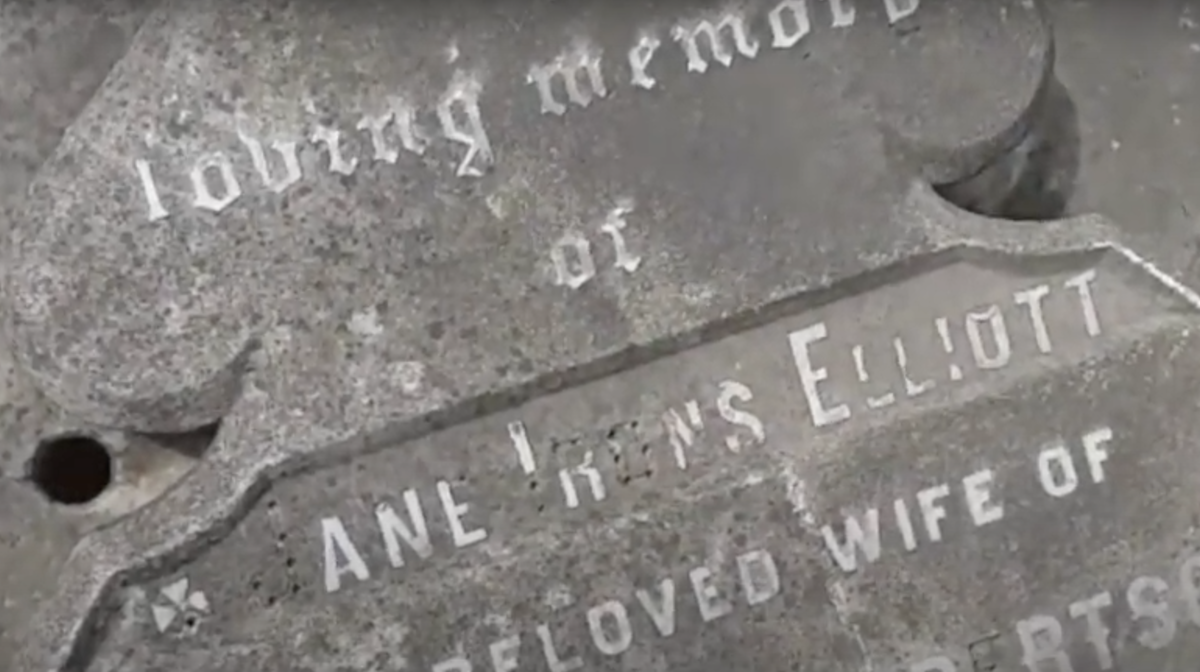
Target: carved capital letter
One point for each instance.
(994, 318)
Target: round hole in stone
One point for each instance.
(71, 469)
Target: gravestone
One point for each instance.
(55, 56)
(572, 336)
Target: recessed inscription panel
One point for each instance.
(848, 486)
(576, 177)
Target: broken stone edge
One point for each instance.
(202, 402)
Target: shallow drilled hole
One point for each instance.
(71, 469)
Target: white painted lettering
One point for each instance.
(231, 190)
(332, 139)
(614, 224)
(1155, 613)
(781, 38)
(505, 653)
(661, 610)
(977, 488)
(800, 342)
(520, 441)
(904, 521)
(1093, 449)
(553, 660)
(1041, 641)
(943, 328)
(1148, 599)
(1032, 300)
(688, 35)
(1082, 283)
(412, 137)
(932, 511)
(857, 539)
(898, 10)
(720, 37)
(911, 388)
(337, 542)
(592, 476)
(760, 576)
(455, 664)
(995, 320)
(454, 513)
(463, 92)
(414, 533)
(731, 390)
(404, 116)
(640, 56)
(712, 605)
(1097, 631)
(154, 207)
(844, 13)
(580, 63)
(1061, 481)
(681, 433)
(573, 262)
(375, 127)
(619, 636)
(291, 162)
(881, 401)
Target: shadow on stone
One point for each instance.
(1036, 179)
(192, 444)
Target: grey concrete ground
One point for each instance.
(812, 344)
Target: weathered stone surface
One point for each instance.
(140, 309)
(53, 57)
(412, 293)
(968, 596)
(1061, 384)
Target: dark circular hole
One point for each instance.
(72, 469)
